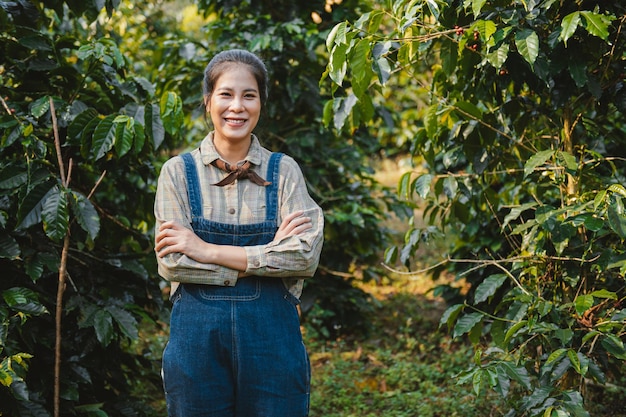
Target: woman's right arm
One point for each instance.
(172, 205)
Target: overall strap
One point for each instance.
(193, 185)
(271, 192)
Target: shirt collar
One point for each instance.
(210, 154)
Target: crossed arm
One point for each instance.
(172, 237)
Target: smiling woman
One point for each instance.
(236, 248)
(235, 107)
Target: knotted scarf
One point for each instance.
(238, 172)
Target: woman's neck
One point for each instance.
(232, 152)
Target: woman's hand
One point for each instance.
(172, 237)
(294, 224)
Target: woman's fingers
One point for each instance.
(291, 217)
(293, 224)
(169, 235)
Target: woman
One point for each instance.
(236, 234)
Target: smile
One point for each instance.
(235, 121)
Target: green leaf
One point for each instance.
(603, 293)
(537, 397)
(578, 71)
(80, 122)
(614, 346)
(34, 266)
(124, 135)
(154, 125)
(404, 189)
(391, 255)
(382, 69)
(516, 373)
(24, 300)
(449, 316)
(361, 67)
(337, 36)
(125, 321)
(450, 187)
(477, 380)
(449, 55)
(86, 138)
(536, 160)
(618, 189)
(597, 24)
(103, 137)
(527, 43)
(593, 223)
(55, 214)
(468, 110)
(423, 184)
(583, 303)
(40, 106)
(513, 330)
(338, 63)
(140, 137)
(516, 212)
(573, 358)
(477, 6)
(498, 57)
(568, 26)
(431, 120)
(12, 177)
(466, 323)
(86, 215)
(568, 160)
(485, 28)
(29, 211)
(343, 108)
(9, 248)
(171, 112)
(556, 355)
(488, 287)
(103, 325)
(617, 217)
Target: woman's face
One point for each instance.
(234, 105)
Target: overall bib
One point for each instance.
(236, 351)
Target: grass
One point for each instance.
(405, 366)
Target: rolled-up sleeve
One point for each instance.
(293, 256)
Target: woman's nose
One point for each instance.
(237, 104)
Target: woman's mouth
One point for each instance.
(235, 122)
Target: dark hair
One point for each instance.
(221, 62)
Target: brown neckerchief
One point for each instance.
(238, 172)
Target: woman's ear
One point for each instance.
(207, 103)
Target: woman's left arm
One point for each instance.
(294, 254)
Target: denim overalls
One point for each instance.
(236, 351)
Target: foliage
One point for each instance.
(79, 135)
(522, 135)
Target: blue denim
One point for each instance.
(236, 351)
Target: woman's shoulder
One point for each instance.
(176, 163)
(287, 162)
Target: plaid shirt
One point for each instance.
(242, 202)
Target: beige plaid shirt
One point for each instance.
(242, 202)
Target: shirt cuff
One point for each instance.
(256, 258)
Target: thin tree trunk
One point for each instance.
(58, 320)
(568, 146)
